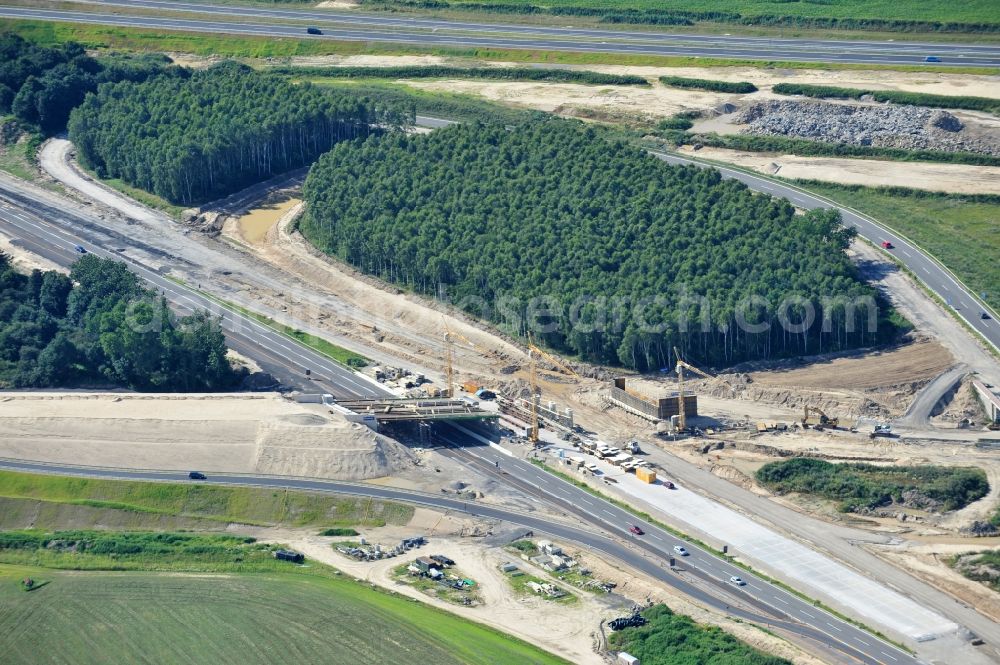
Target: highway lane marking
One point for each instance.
(807, 614)
(858, 639)
(888, 656)
(834, 627)
(780, 599)
(608, 512)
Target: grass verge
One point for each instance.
(336, 353)
(141, 39)
(245, 505)
(962, 231)
(715, 552)
(20, 158)
(142, 196)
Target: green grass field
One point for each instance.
(963, 232)
(98, 618)
(247, 505)
(969, 11)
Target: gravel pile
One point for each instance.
(888, 126)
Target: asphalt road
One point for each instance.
(361, 27)
(926, 269)
(701, 576)
(56, 235)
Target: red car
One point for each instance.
(636, 530)
(886, 244)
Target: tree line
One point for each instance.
(491, 73)
(498, 218)
(100, 325)
(895, 96)
(675, 639)
(866, 486)
(40, 85)
(216, 131)
(740, 87)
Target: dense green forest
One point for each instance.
(100, 325)
(40, 85)
(986, 104)
(507, 221)
(740, 87)
(675, 639)
(441, 71)
(216, 131)
(860, 486)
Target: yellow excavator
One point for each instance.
(820, 421)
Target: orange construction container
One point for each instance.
(470, 387)
(645, 475)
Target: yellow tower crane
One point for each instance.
(449, 368)
(681, 366)
(533, 354)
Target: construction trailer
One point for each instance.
(645, 475)
(651, 408)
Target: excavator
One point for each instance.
(822, 420)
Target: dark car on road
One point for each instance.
(636, 530)
(79, 249)
(314, 31)
(932, 58)
(196, 475)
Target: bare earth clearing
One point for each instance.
(255, 433)
(571, 632)
(957, 178)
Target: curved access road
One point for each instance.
(708, 585)
(196, 17)
(56, 235)
(933, 274)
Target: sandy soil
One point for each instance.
(393, 316)
(916, 362)
(614, 101)
(929, 563)
(242, 433)
(960, 178)
(570, 631)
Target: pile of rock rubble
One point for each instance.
(883, 125)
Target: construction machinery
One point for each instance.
(533, 354)
(822, 420)
(681, 410)
(450, 367)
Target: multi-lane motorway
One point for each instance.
(702, 576)
(934, 275)
(350, 26)
(55, 234)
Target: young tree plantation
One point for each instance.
(630, 256)
(215, 132)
